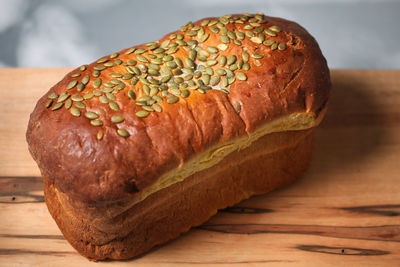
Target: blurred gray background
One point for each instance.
(56, 33)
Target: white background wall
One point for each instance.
(53, 33)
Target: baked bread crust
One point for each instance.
(75, 162)
(273, 161)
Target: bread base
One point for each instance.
(272, 161)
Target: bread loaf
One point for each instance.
(141, 145)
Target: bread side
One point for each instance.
(271, 162)
(97, 164)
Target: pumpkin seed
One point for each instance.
(116, 75)
(222, 47)
(157, 107)
(57, 106)
(211, 62)
(229, 73)
(204, 37)
(185, 93)
(77, 97)
(103, 99)
(241, 76)
(192, 55)
(88, 96)
(142, 59)
(123, 132)
(209, 71)
(52, 95)
(257, 56)
(206, 79)
(102, 60)
(72, 84)
(82, 68)
(231, 59)
(249, 34)
(140, 51)
(270, 32)
(177, 72)
(68, 104)
(157, 61)
(171, 64)
(153, 72)
(204, 22)
(220, 72)
(222, 60)
(97, 92)
(246, 66)
(79, 105)
(97, 83)
(240, 35)
(269, 42)
(172, 99)
(75, 112)
(237, 42)
(175, 91)
(75, 75)
(224, 39)
(212, 49)
(142, 114)
(131, 94)
(214, 80)
(134, 81)
(80, 87)
(258, 29)
(63, 96)
(91, 115)
(100, 135)
(224, 82)
(245, 56)
(256, 40)
(117, 119)
(109, 64)
(274, 28)
(99, 67)
(231, 80)
(240, 64)
(113, 105)
(282, 46)
(147, 108)
(231, 35)
(157, 98)
(85, 79)
(233, 67)
(96, 122)
(130, 51)
(168, 58)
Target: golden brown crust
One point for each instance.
(271, 162)
(114, 168)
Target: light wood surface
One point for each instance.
(345, 211)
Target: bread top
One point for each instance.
(110, 129)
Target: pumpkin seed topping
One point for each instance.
(117, 119)
(165, 71)
(123, 132)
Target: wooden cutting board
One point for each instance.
(344, 211)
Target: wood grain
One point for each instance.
(344, 211)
